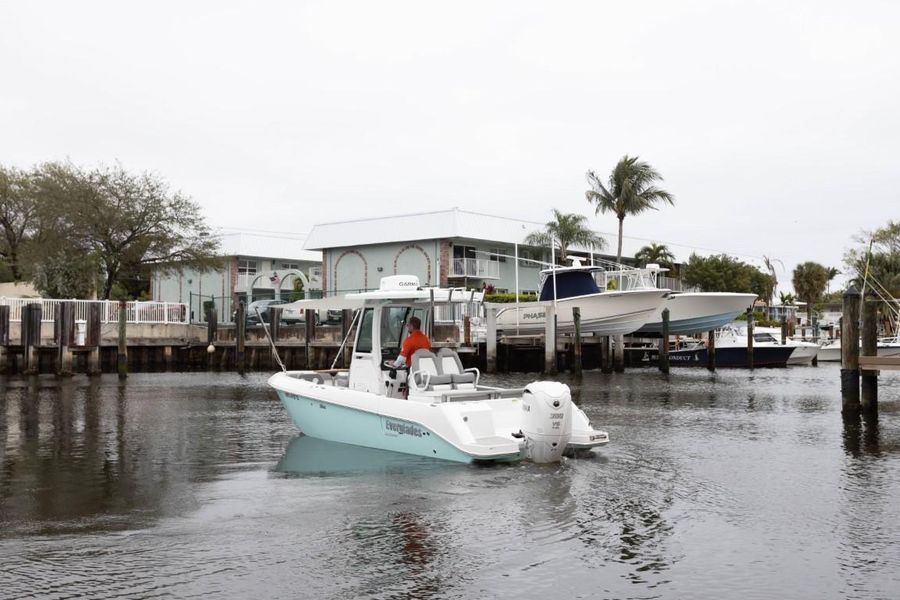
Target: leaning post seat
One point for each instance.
(425, 372)
(451, 365)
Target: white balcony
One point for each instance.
(477, 268)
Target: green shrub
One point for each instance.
(509, 298)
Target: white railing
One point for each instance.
(135, 311)
(475, 267)
(456, 312)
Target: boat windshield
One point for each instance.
(393, 326)
(569, 284)
(764, 337)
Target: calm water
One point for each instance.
(734, 485)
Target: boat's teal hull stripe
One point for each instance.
(695, 325)
(340, 424)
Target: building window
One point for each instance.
(246, 267)
(287, 265)
(496, 255)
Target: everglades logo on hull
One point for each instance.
(395, 428)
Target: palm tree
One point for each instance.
(655, 253)
(786, 299)
(832, 273)
(564, 230)
(810, 280)
(630, 190)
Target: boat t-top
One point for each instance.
(435, 407)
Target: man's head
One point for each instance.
(414, 324)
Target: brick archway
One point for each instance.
(365, 268)
(425, 254)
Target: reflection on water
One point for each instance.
(732, 484)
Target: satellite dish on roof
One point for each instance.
(575, 260)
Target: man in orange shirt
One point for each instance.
(416, 340)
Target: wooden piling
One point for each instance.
(93, 337)
(605, 355)
(711, 350)
(275, 322)
(31, 338)
(850, 352)
(64, 332)
(309, 321)
(619, 354)
(490, 340)
(869, 378)
(550, 367)
(784, 331)
(749, 338)
(212, 325)
(240, 337)
(4, 338)
(664, 343)
(576, 348)
(467, 330)
(122, 354)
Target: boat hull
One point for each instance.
(698, 312)
(803, 354)
(333, 422)
(772, 356)
(832, 352)
(608, 313)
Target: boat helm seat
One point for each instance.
(308, 376)
(425, 372)
(452, 365)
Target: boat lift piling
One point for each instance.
(576, 346)
(240, 337)
(664, 343)
(491, 340)
(749, 338)
(850, 353)
(605, 358)
(550, 367)
(619, 354)
(869, 377)
(711, 350)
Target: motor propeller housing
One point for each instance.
(546, 420)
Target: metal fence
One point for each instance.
(135, 311)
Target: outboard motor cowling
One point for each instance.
(546, 420)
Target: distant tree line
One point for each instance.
(78, 232)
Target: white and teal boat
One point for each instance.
(434, 408)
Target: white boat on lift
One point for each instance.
(435, 408)
(602, 312)
(695, 312)
(831, 350)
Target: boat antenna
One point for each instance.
(271, 342)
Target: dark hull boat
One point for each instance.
(769, 356)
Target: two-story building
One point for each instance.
(253, 266)
(448, 248)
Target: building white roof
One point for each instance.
(266, 245)
(459, 223)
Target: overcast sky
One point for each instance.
(776, 125)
